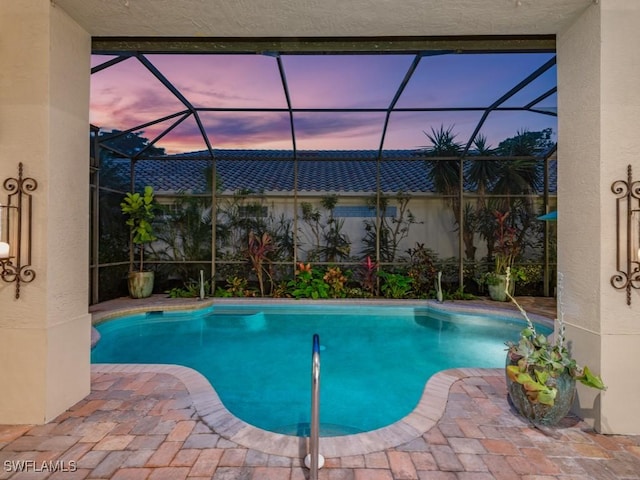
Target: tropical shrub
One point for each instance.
(422, 269)
(191, 289)
(327, 242)
(337, 282)
(259, 249)
(458, 294)
(185, 232)
(392, 229)
(309, 283)
(367, 274)
(236, 287)
(395, 285)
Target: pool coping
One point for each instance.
(216, 416)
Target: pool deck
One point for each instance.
(156, 422)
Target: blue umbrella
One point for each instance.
(549, 217)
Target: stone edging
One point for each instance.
(214, 414)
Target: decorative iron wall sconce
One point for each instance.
(15, 231)
(627, 234)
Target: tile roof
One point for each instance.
(352, 171)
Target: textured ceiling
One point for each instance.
(322, 18)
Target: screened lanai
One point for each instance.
(402, 152)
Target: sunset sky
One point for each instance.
(127, 95)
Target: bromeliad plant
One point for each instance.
(536, 363)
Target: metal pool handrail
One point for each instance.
(314, 438)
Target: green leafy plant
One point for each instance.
(236, 287)
(140, 209)
(309, 283)
(395, 285)
(280, 290)
(458, 294)
(179, 292)
(536, 363)
(191, 289)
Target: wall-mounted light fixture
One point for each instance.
(15, 231)
(627, 234)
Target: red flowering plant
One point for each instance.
(505, 250)
(258, 250)
(369, 277)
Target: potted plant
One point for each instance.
(506, 250)
(140, 212)
(541, 374)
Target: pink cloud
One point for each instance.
(127, 94)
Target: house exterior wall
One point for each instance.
(434, 223)
(433, 226)
(45, 334)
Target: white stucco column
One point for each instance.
(44, 123)
(599, 105)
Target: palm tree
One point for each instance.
(521, 175)
(482, 173)
(445, 173)
(518, 173)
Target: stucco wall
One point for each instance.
(600, 109)
(45, 334)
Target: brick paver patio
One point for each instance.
(144, 426)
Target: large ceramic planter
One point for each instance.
(539, 413)
(497, 289)
(140, 284)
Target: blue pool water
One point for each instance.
(375, 360)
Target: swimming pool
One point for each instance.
(375, 359)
